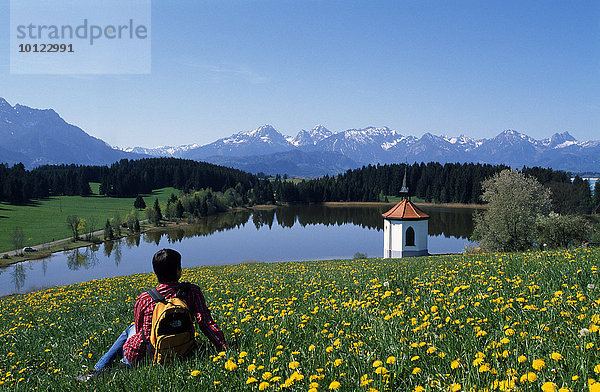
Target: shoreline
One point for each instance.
(48, 249)
(391, 203)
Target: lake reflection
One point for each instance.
(279, 234)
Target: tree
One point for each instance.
(108, 231)
(91, 227)
(179, 208)
(75, 223)
(116, 224)
(514, 203)
(596, 199)
(18, 238)
(139, 203)
(556, 231)
(130, 220)
(157, 211)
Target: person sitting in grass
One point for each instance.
(134, 343)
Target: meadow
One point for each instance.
(514, 321)
(45, 220)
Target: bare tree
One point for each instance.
(91, 227)
(18, 238)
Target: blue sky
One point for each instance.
(445, 67)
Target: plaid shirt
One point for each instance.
(135, 348)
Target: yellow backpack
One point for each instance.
(172, 334)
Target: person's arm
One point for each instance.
(134, 348)
(205, 321)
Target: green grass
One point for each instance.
(514, 321)
(45, 220)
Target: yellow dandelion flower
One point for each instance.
(529, 377)
(549, 387)
(267, 376)
(478, 361)
(251, 367)
(538, 364)
(263, 386)
(297, 376)
(364, 380)
(230, 365)
(195, 373)
(381, 370)
(377, 363)
(416, 370)
(597, 369)
(556, 356)
(334, 385)
(294, 365)
(251, 380)
(455, 364)
(337, 362)
(522, 358)
(391, 360)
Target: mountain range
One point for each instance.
(320, 151)
(36, 137)
(39, 137)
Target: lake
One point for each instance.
(314, 232)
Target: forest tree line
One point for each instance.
(432, 182)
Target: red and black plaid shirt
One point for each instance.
(135, 348)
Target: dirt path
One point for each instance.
(46, 245)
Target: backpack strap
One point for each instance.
(156, 296)
(183, 290)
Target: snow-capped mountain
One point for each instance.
(310, 138)
(262, 140)
(161, 151)
(374, 145)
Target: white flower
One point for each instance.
(584, 332)
(386, 284)
(591, 286)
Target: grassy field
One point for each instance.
(45, 220)
(522, 322)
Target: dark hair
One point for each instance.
(166, 264)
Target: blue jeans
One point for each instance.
(116, 350)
